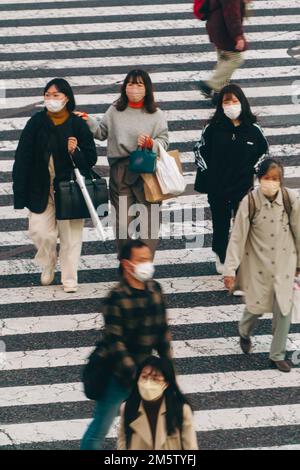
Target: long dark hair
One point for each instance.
(135, 76)
(246, 117)
(173, 396)
(63, 87)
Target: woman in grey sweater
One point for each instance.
(133, 120)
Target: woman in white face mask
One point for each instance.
(41, 157)
(156, 415)
(231, 147)
(133, 120)
(265, 246)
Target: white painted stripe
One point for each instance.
(99, 290)
(81, 11)
(44, 30)
(186, 157)
(161, 97)
(210, 347)
(256, 5)
(204, 421)
(291, 447)
(109, 261)
(157, 77)
(289, 172)
(119, 61)
(139, 42)
(196, 383)
(90, 321)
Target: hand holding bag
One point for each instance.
(69, 201)
(171, 180)
(142, 160)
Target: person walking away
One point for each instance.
(135, 325)
(232, 145)
(225, 30)
(265, 249)
(156, 416)
(41, 156)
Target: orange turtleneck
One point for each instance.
(60, 117)
(137, 105)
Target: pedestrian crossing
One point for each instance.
(239, 401)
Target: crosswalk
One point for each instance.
(239, 401)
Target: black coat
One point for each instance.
(231, 154)
(39, 140)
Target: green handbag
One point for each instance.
(142, 160)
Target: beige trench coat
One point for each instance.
(142, 437)
(266, 253)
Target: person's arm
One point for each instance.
(21, 167)
(160, 135)
(164, 348)
(85, 155)
(99, 128)
(262, 148)
(121, 444)
(237, 242)
(125, 369)
(295, 227)
(203, 148)
(188, 436)
(233, 18)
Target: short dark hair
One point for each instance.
(63, 87)
(269, 164)
(246, 117)
(134, 76)
(126, 251)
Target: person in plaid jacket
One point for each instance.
(135, 326)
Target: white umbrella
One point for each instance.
(93, 213)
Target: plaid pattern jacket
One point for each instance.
(135, 325)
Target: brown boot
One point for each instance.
(283, 366)
(246, 345)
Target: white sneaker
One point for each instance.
(47, 276)
(219, 265)
(238, 293)
(70, 290)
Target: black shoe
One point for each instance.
(205, 90)
(283, 366)
(246, 345)
(215, 99)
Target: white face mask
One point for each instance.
(54, 106)
(232, 111)
(143, 271)
(269, 188)
(151, 390)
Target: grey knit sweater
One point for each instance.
(122, 128)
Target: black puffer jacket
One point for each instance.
(231, 154)
(40, 139)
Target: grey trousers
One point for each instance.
(280, 330)
(134, 216)
(228, 62)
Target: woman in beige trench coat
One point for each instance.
(156, 416)
(266, 253)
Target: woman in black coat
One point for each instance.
(232, 146)
(42, 155)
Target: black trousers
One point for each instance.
(222, 210)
